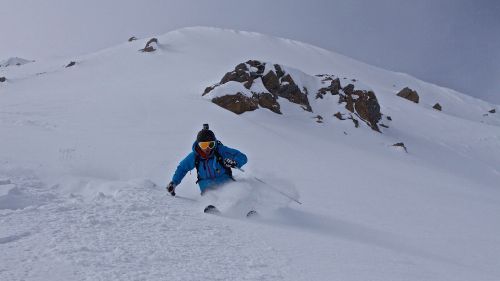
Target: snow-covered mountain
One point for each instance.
(88, 143)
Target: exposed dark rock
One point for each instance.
(70, 64)
(238, 103)
(367, 107)
(276, 81)
(349, 103)
(257, 64)
(288, 79)
(320, 94)
(254, 63)
(335, 86)
(384, 125)
(241, 67)
(349, 89)
(409, 94)
(400, 144)
(356, 122)
(268, 101)
(362, 105)
(238, 75)
(279, 72)
(271, 82)
(339, 116)
(209, 89)
(319, 118)
(133, 38)
(492, 111)
(150, 45)
(437, 106)
(249, 83)
(3, 79)
(389, 118)
(292, 93)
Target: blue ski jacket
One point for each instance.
(211, 173)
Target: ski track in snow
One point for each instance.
(135, 233)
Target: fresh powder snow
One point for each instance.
(86, 152)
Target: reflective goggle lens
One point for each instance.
(206, 144)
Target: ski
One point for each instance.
(211, 209)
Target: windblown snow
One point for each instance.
(86, 150)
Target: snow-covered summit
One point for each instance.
(86, 150)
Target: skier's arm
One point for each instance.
(186, 165)
(234, 154)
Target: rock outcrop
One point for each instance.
(72, 63)
(402, 145)
(254, 84)
(3, 79)
(319, 118)
(151, 46)
(239, 103)
(409, 94)
(437, 106)
(363, 103)
(276, 84)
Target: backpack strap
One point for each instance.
(220, 160)
(196, 164)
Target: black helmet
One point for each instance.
(205, 134)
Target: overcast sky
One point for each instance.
(453, 43)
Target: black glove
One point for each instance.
(230, 163)
(171, 188)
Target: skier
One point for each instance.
(213, 162)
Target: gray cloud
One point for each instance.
(453, 43)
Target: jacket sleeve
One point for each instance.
(231, 153)
(186, 165)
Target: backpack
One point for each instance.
(219, 160)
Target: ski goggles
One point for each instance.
(206, 144)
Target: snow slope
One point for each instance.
(86, 150)
(15, 61)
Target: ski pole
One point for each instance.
(274, 188)
(277, 190)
